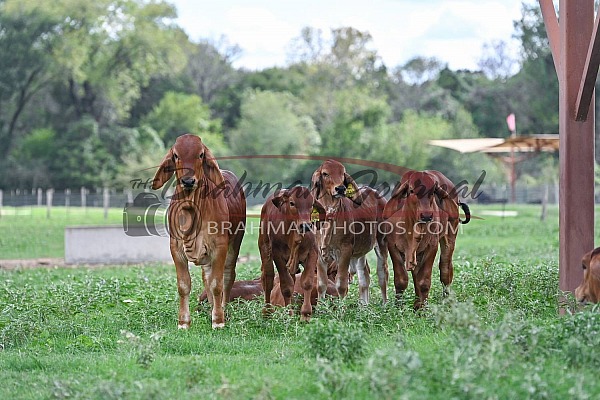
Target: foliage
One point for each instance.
(179, 113)
(272, 123)
(335, 341)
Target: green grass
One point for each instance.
(111, 332)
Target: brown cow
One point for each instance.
(286, 238)
(247, 290)
(422, 213)
(589, 290)
(207, 217)
(351, 229)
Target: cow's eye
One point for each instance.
(325, 174)
(583, 266)
(292, 204)
(175, 157)
(201, 155)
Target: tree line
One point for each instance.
(93, 93)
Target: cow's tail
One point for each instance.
(467, 211)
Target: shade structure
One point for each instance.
(518, 144)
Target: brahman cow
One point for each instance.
(351, 229)
(247, 290)
(422, 213)
(207, 217)
(589, 290)
(286, 238)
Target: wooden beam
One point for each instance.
(552, 30)
(576, 154)
(588, 81)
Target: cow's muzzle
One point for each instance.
(188, 182)
(426, 217)
(340, 191)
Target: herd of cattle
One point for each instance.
(328, 229)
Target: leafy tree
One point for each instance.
(26, 41)
(179, 113)
(272, 123)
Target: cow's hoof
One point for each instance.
(219, 325)
(305, 318)
(183, 325)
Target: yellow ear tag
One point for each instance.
(350, 191)
(314, 215)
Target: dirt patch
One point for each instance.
(33, 263)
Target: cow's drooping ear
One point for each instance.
(440, 192)
(280, 197)
(315, 183)
(401, 190)
(210, 168)
(165, 170)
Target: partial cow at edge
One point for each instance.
(207, 217)
(589, 290)
(422, 213)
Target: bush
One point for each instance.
(336, 341)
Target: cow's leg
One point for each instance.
(184, 286)
(400, 274)
(341, 280)
(364, 280)
(267, 270)
(230, 262)
(381, 251)
(447, 244)
(422, 277)
(286, 281)
(214, 278)
(306, 282)
(321, 278)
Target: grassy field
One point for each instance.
(110, 332)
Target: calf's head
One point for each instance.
(589, 290)
(191, 161)
(298, 205)
(421, 194)
(332, 179)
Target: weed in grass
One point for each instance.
(332, 378)
(336, 341)
(390, 371)
(144, 350)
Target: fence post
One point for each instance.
(39, 197)
(544, 203)
(49, 194)
(129, 194)
(83, 199)
(105, 201)
(1, 199)
(67, 199)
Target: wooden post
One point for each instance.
(1, 200)
(576, 152)
(49, 195)
(105, 201)
(39, 197)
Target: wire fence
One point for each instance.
(112, 198)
